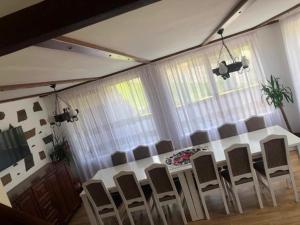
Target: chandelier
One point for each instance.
(225, 69)
(68, 114)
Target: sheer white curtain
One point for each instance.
(290, 28)
(164, 100)
(198, 99)
(114, 115)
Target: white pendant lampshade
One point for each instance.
(245, 62)
(223, 69)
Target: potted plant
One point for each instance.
(276, 94)
(60, 146)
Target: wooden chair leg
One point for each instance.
(130, 218)
(272, 192)
(181, 210)
(149, 214)
(204, 205)
(294, 186)
(258, 193)
(237, 199)
(224, 201)
(162, 214)
(118, 218)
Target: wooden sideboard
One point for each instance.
(49, 194)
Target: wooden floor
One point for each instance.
(287, 212)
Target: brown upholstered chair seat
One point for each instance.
(225, 174)
(259, 166)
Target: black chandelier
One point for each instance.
(68, 114)
(225, 69)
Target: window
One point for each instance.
(186, 85)
(132, 92)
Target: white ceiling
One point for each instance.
(258, 12)
(159, 29)
(30, 91)
(11, 6)
(150, 32)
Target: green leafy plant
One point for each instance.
(60, 144)
(275, 94)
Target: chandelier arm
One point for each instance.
(220, 53)
(229, 53)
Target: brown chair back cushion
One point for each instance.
(255, 123)
(199, 137)
(98, 194)
(275, 153)
(160, 180)
(129, 186)
(164, 146)
(239, 161)
(141, 152)
(227, 130)
(118, 158)
(205, 168)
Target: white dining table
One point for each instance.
(184, 172)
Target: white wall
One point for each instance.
(36, 144)
(274, 61)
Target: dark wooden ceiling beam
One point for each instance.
(52, 18)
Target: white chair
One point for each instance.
(207, 178)
(132, 194)
(240, 172)
(164, 190)
(275, 164)
(101, 201)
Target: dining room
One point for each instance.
(151, 112)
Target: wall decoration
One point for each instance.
(15, 113)
(48, 139)
(37, 107)
(2, 115)
(22, 115)
(43, 122)
(29, 162)
(30, 133)
(42, 155)
(6, 179)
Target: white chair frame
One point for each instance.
(213, 182)
(233, 187)
(157, 196)
(267, 180)
(142, 199)
(96, 209)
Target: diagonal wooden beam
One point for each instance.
(89, 48)
(233, 13)
(52, 18)
(42, 84)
